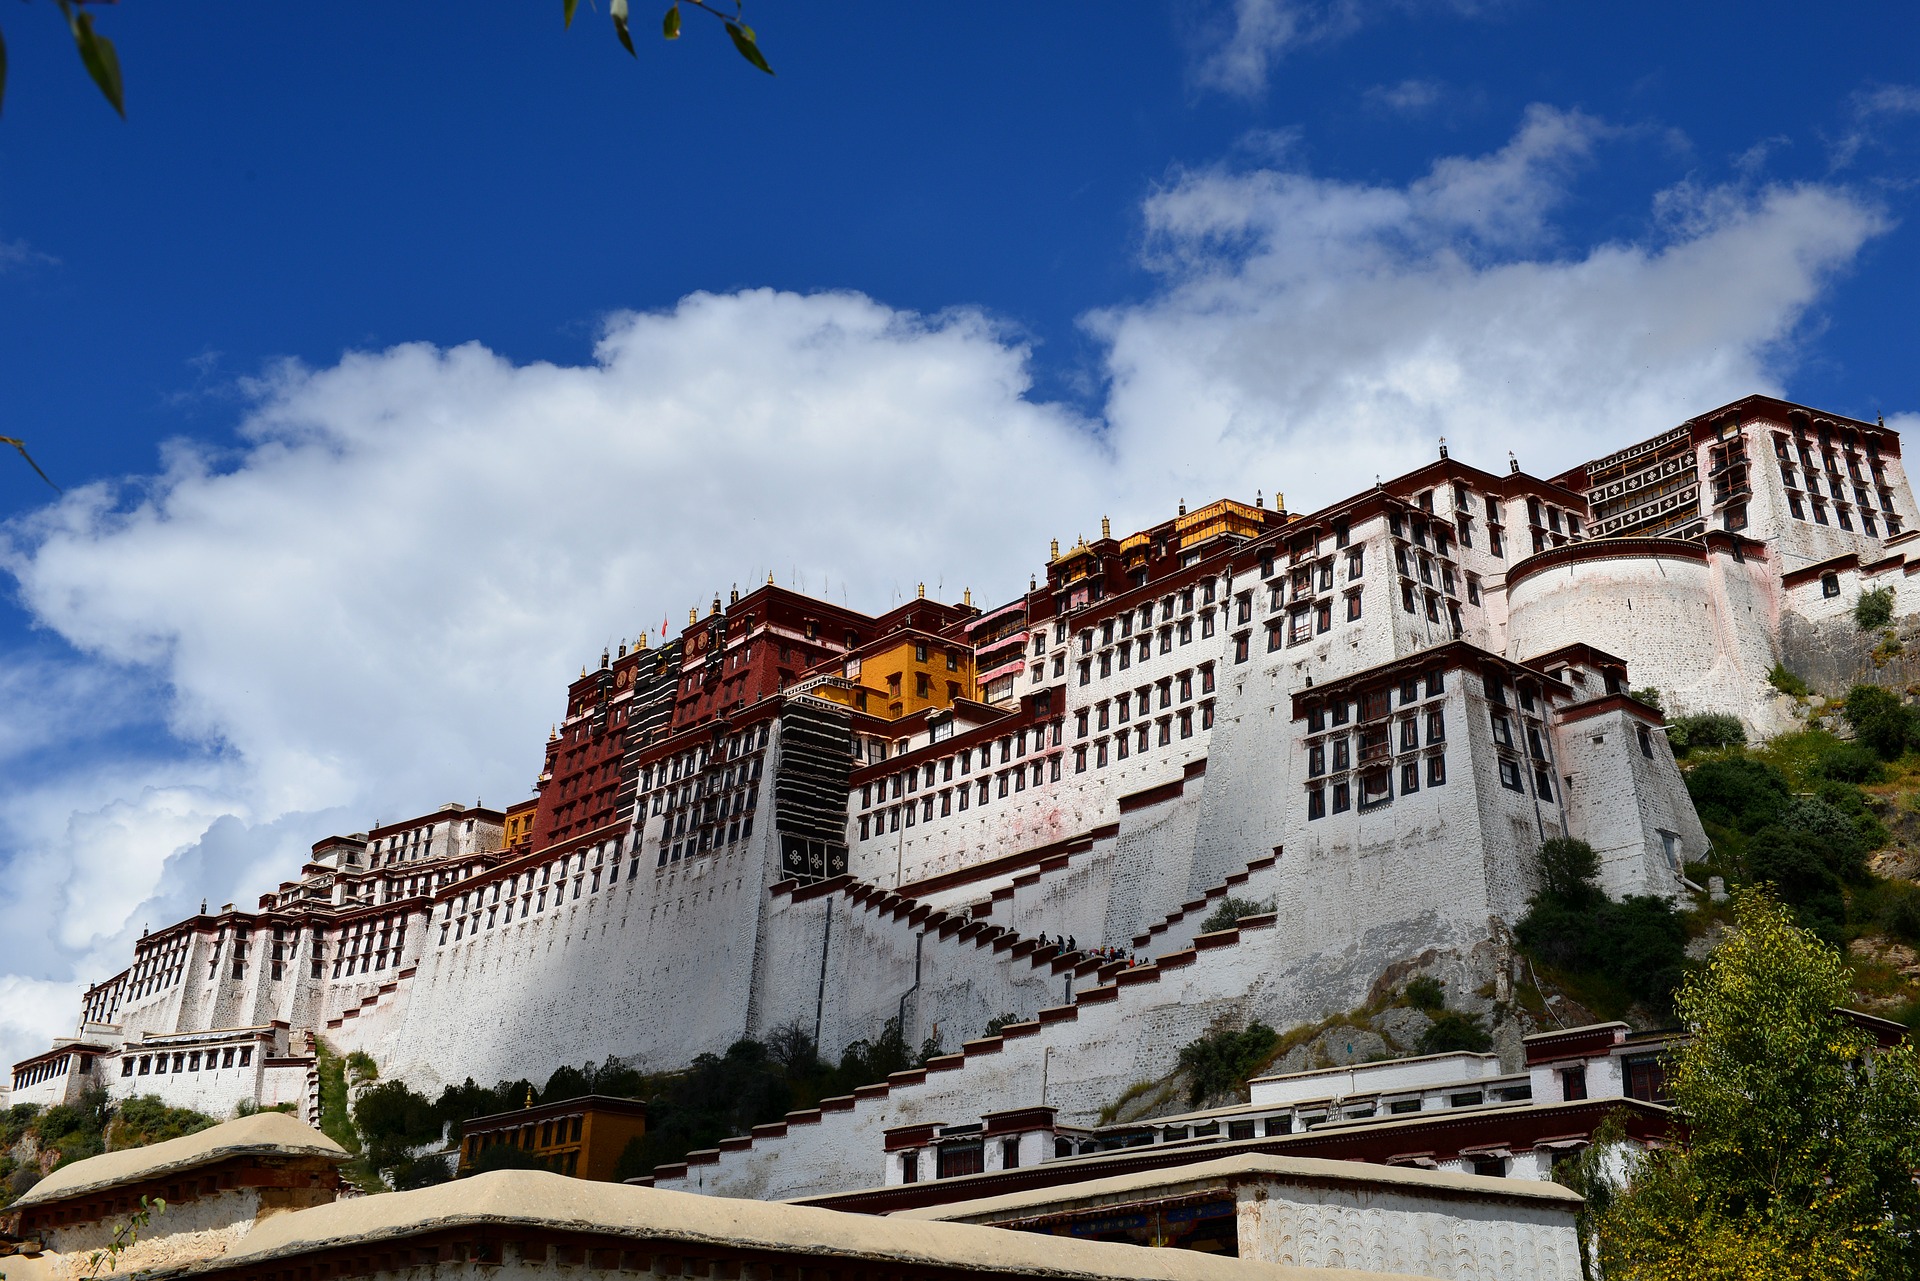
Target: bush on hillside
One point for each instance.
(1425, 994)
(1783, 679)
(1740, 793)
(1221, 1061)
(1639, 944)
(1880, 721)
(1874, 608)
(1707, 729)
(1850, 763)
(1453, 1031)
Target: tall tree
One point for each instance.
(1802, 1135)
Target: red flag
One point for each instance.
(664, 620)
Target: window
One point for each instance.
(1829, 585)
(1409, 734)
(1406, 596)
(1079, 760)
(1241, 647)
(1353, 606)
(1436, 726)
(1376, 788)
(1410, 777)
(1502, 730)
(1573, 1083)
(1316, 760)
(1473, 589)
(1342, 753)
(1646, 741)
(1342, 798)
(1542, 783)
(1316, 802)
(1509, 775)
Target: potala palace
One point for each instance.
(1370, 715)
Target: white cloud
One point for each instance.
(1874, 115)
(1408, 98)
(1238, 43)
(15, 254)
(373, 603)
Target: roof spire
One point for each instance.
(1106, 528)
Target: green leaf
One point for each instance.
(96, 53)
(670, 25)
(571, 6)
(743, 41)
(619, 9)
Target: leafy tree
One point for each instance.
(1874, 608)
(1223, 1060)
(1230, 910)
(1743, 794)
(1793, 863)
(1801, 1135)
(1567, 869)
(1650, 695)
(1850, 763)
(1637, 944)
(393, 1120)
(1425, 993)
(1708, 729)
(1880, 720)
(1453, 1031)
(421, 1172)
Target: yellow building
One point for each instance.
(519, 825)
(901, 674)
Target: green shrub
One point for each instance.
(1647, 694)
(1786, 682)
(1792, 861)
(393, 1120)
(1740, 793)
(1874, 608)
(1453, 1031)
(1230, 910)
(1880, 720)
(1638, 944)
(1851, 763)
(421, 1172)
(1425, 993)
(1222, 1061)
(1707, 729)
(1567, 869)
(505, 1156)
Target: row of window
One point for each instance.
(1375, 704)
(952, 800)
(493, 904)
(1012, 746)
(1335, 754)
(1143, 736)
(1207, 588)
(1373, 787)
(1171, 635)
(186, 1061)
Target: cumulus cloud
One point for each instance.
(1314, 333)
(371, 603)
(1874, 116)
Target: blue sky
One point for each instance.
(974, 275)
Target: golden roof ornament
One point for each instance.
(1106, 528)
(1056, 550)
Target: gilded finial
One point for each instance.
(966, 597)
(1259, 501)
(1279, 501)
(1183, 506)
(529, 1095)
(642, 642)
(1106, 528)
(1056, 549)
(769, 578)
(923, 591)
(716, 603)
(693, 615)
